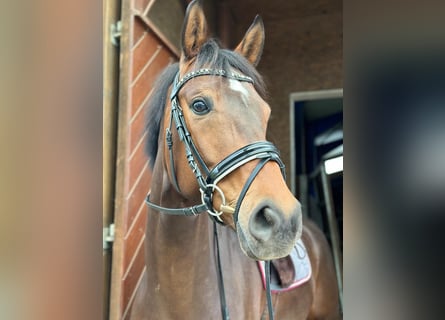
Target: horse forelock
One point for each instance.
(209, 56)
(212, 56)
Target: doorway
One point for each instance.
(316, 137)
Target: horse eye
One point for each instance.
(200, 107)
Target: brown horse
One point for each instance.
(207, 124)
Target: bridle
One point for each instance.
(263, 151)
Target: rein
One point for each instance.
(262, 150)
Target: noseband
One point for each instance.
(262, 150)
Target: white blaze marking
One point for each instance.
(237, 86)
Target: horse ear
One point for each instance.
(194, 30)
(251, 47)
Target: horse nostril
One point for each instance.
(263, 223)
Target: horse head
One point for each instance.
(215, 122)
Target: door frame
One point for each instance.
(300, 97)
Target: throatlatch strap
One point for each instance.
(189, 211)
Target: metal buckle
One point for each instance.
(213, 211)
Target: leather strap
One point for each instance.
(256, 150)
(268, 292)
(190, 150)
(222, 292)
(169, 141)
(206, 72)
(246, 186)
(188, 211)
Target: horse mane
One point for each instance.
(212, 56)
(155, 111)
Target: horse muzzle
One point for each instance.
(269, 233)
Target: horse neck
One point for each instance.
(180, 257)
(176, 241)
(176, 231)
